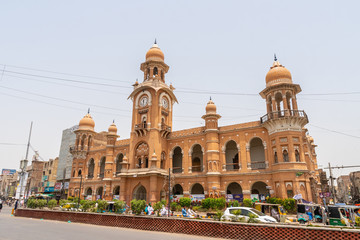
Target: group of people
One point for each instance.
(189, 212)
(149, 210)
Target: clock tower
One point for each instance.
(152, 110)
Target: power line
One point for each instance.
(345, 134)
(13, 144)
(64, 100)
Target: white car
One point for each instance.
(245, 212)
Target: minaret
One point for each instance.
(213, 165)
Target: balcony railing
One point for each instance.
(232, 166)
(282, 114)
(177, 170)
(258, 165)
(196, 169)
(141, 126)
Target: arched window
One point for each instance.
(257, 154)
(102, 167)
(279, 104)
(275, 157)
(232, 156)
(119, 160)
(155, 71)
(144, 121)
(99, 193)
(89, 142)
(139, 193)
(197, 189)
(289, 102)
(79, 173)
(83, 138)
(146, 162)
(259, 188)
(197, 157)
(162, 160)
(297, 156)
(286, 156)
(177, 160)
(142, 155)
(74, 173)
(91, 168)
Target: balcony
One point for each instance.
(165, 130)
(232, 167)
(284, 114)
(258, 165)
(141, 129)
(177, 170)
(196, 169)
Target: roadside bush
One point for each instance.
(87, 204)
(31, 203)
(208, 203)
(102, 204)
(70, 198)
(173, 206)
(63, 202)
(157, 207)
(138, 206)
(289, 204)
(234, 203)
(196, 208)
(52, 203)
(220, 203)
(247, 202)
(185, 202)
(219, 215)
(40, 203)
(119, 206)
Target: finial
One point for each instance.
(210, 98)
(155, 41)
(275, 59)
(88, 110)
(113, 120)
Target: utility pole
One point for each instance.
(23, 165)
(332, 184)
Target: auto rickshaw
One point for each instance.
(274, 210)
(343, 215)
(309, 212)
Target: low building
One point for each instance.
(35, 172)
(355, 186)
(48, 178)
(343, 189)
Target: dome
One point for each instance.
(278, 74)
(87, 123)
(155, 53)
(210, 107)
(112, 128)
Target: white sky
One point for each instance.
(219, 46)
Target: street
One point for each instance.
(18, 228)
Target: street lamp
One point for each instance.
(80, 189)
(23, 165)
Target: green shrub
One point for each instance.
(174, 206)
(220, 203)
(138, 206)
(102, 204)
(289, 204)
(247, 202)
(234, 203)
(87, 204)
(52, 203)
(185, 202)
(63, 202)
(157, 207)
(219, 215)
(31, 203)
(40, 203)
(119, 206)
(70, 198)
(196, 208)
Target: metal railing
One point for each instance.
(258, 165)
(283, 113)
(177, 170)
(232, 166)
(196, 169)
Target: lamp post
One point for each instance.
(23, 164)
(104, 192)
(80, 190)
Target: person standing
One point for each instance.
(1, 204)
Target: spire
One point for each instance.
(155, 41)
(210, 98)
(275, 59)
(113, 120)
(88, 110)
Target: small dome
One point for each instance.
(278, 74)
(155, 53)
(210, 107)
(87, 123)
(112, 128)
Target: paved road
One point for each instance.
(18, 228)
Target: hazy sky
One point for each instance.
(214, 46)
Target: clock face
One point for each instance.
(165, 103)
(144, 101)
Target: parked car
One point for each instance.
(245, 212)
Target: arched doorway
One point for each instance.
(99, 193)
(234, 192)
(139, 193)
(197, 188)
(91, 168)
(259, 191)
(88, 194)
(116, 193)
(232, 156)
(178, 190)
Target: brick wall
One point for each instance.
(197, 227)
